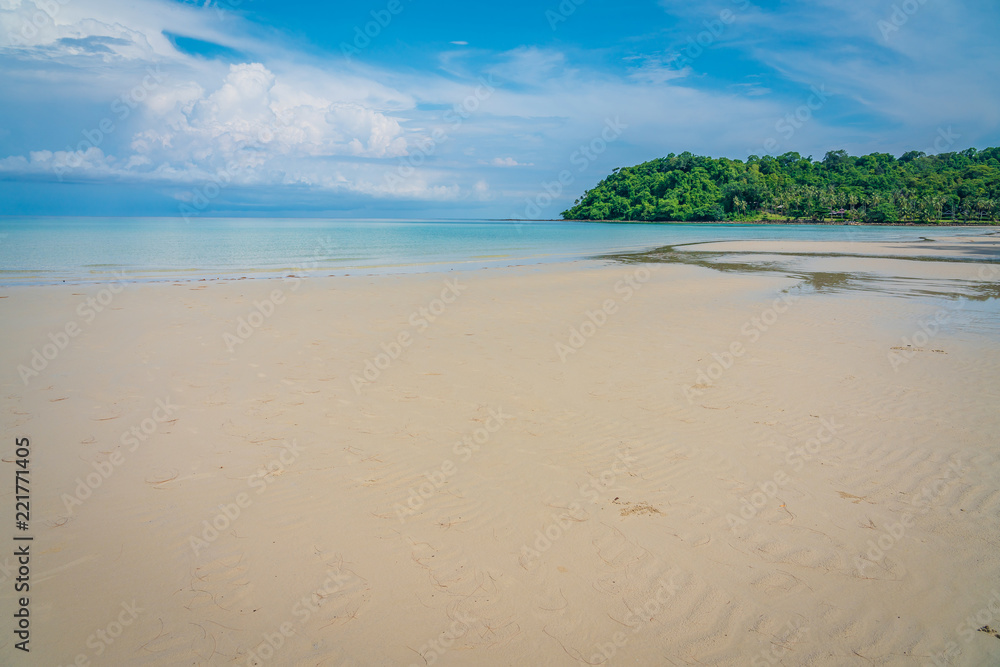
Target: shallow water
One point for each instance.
(943, 269)
(73, 250)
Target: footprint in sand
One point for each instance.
(856, 499)
(631, 508)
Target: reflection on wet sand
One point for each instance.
(927, 268)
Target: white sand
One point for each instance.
(597, 510)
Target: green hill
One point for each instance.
(950, 187)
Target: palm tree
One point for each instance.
(852, 201)
(904, 201)
(740, 205)
(952, 210)
(938, 204)
(982, 205)
(966, 206)
(787, 199)
(824, 200)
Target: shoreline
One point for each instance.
(934, 225)
(460, 264)
(539, 451)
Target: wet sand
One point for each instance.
(775, 452)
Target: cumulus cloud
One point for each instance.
(268, 122)
(54, 31)
(252, 117)
(91, 161)
(271, 114)
(250, 120)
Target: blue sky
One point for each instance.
(406, 108)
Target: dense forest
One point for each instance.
(876, 188)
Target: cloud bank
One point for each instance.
(165, 97)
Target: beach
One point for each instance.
(607, 461)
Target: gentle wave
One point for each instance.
(87, 250)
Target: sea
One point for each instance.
(74, 250)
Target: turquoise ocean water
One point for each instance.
(38, 251)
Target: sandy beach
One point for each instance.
(594, 462)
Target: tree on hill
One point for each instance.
(871, 188)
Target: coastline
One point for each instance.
(70, 251)
(670, 460)
(794, 222)
(283, 384)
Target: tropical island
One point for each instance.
(948, 188)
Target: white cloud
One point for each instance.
(250, 119)
(914, 71)
(286, 116)
(509, 162)
(78, 31)
(92, 162)
(252, 112)
(655, 71)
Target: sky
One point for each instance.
(414, 109)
